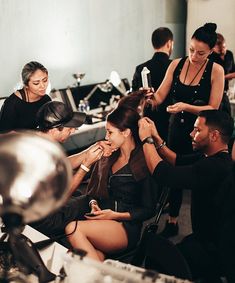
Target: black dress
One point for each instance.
(125, 195)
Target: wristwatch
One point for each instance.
(148, 140)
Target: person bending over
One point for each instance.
(57, 122)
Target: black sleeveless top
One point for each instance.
(192, 94)
(181, 124)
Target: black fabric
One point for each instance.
(17, 114)
(126, 194)
(228, 63)
(181, 124)
(157, 67)
(229, 67)
(211, 181)
(55, 223)
(203, 259)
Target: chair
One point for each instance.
(157, 253)
(136, 253)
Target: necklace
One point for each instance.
(196, 73)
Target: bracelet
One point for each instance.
(83, 167)
(161, 145)
(93, 201)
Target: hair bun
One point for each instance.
(210, 27)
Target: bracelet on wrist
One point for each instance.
(161, 145)
(84, 168)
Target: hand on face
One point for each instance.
(106, 146)
(93, 154)
(176, 108)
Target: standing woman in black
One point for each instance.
(194, 84)
(20, 108)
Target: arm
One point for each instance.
(91, 156)
(216, 94)
(143, 211)
(152, 155)
(230, 76)
(233, 151)
(165, 86)
(8, 115)
(148, 197)
(77, 159)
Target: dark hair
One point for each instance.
(219, 120)
(220, 39)
(160, 37)
(29, 69)
(132, 100)
(56, 114)
(125, 118)
(206, 34)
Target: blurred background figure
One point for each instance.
(224, 57)
(162, 41)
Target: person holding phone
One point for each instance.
(120, 194)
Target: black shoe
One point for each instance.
(170, 230)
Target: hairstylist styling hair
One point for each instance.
(211, 245)
(194, 84)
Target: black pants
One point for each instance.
(203, 259)
(54, 224)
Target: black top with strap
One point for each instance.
(181, 124)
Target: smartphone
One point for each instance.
(90, 214)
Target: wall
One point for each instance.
(217, 11)
(90, 36)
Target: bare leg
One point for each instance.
(97, 237)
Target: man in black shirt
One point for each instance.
(224, 57)
(210, 177)
(162, 41)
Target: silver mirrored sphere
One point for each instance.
(35, 175)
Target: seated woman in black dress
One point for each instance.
(20, 108)
(121, 190)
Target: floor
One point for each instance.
(184, 219)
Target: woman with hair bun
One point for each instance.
(194, 83)
(20, 108)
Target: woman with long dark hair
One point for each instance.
(120, 192)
